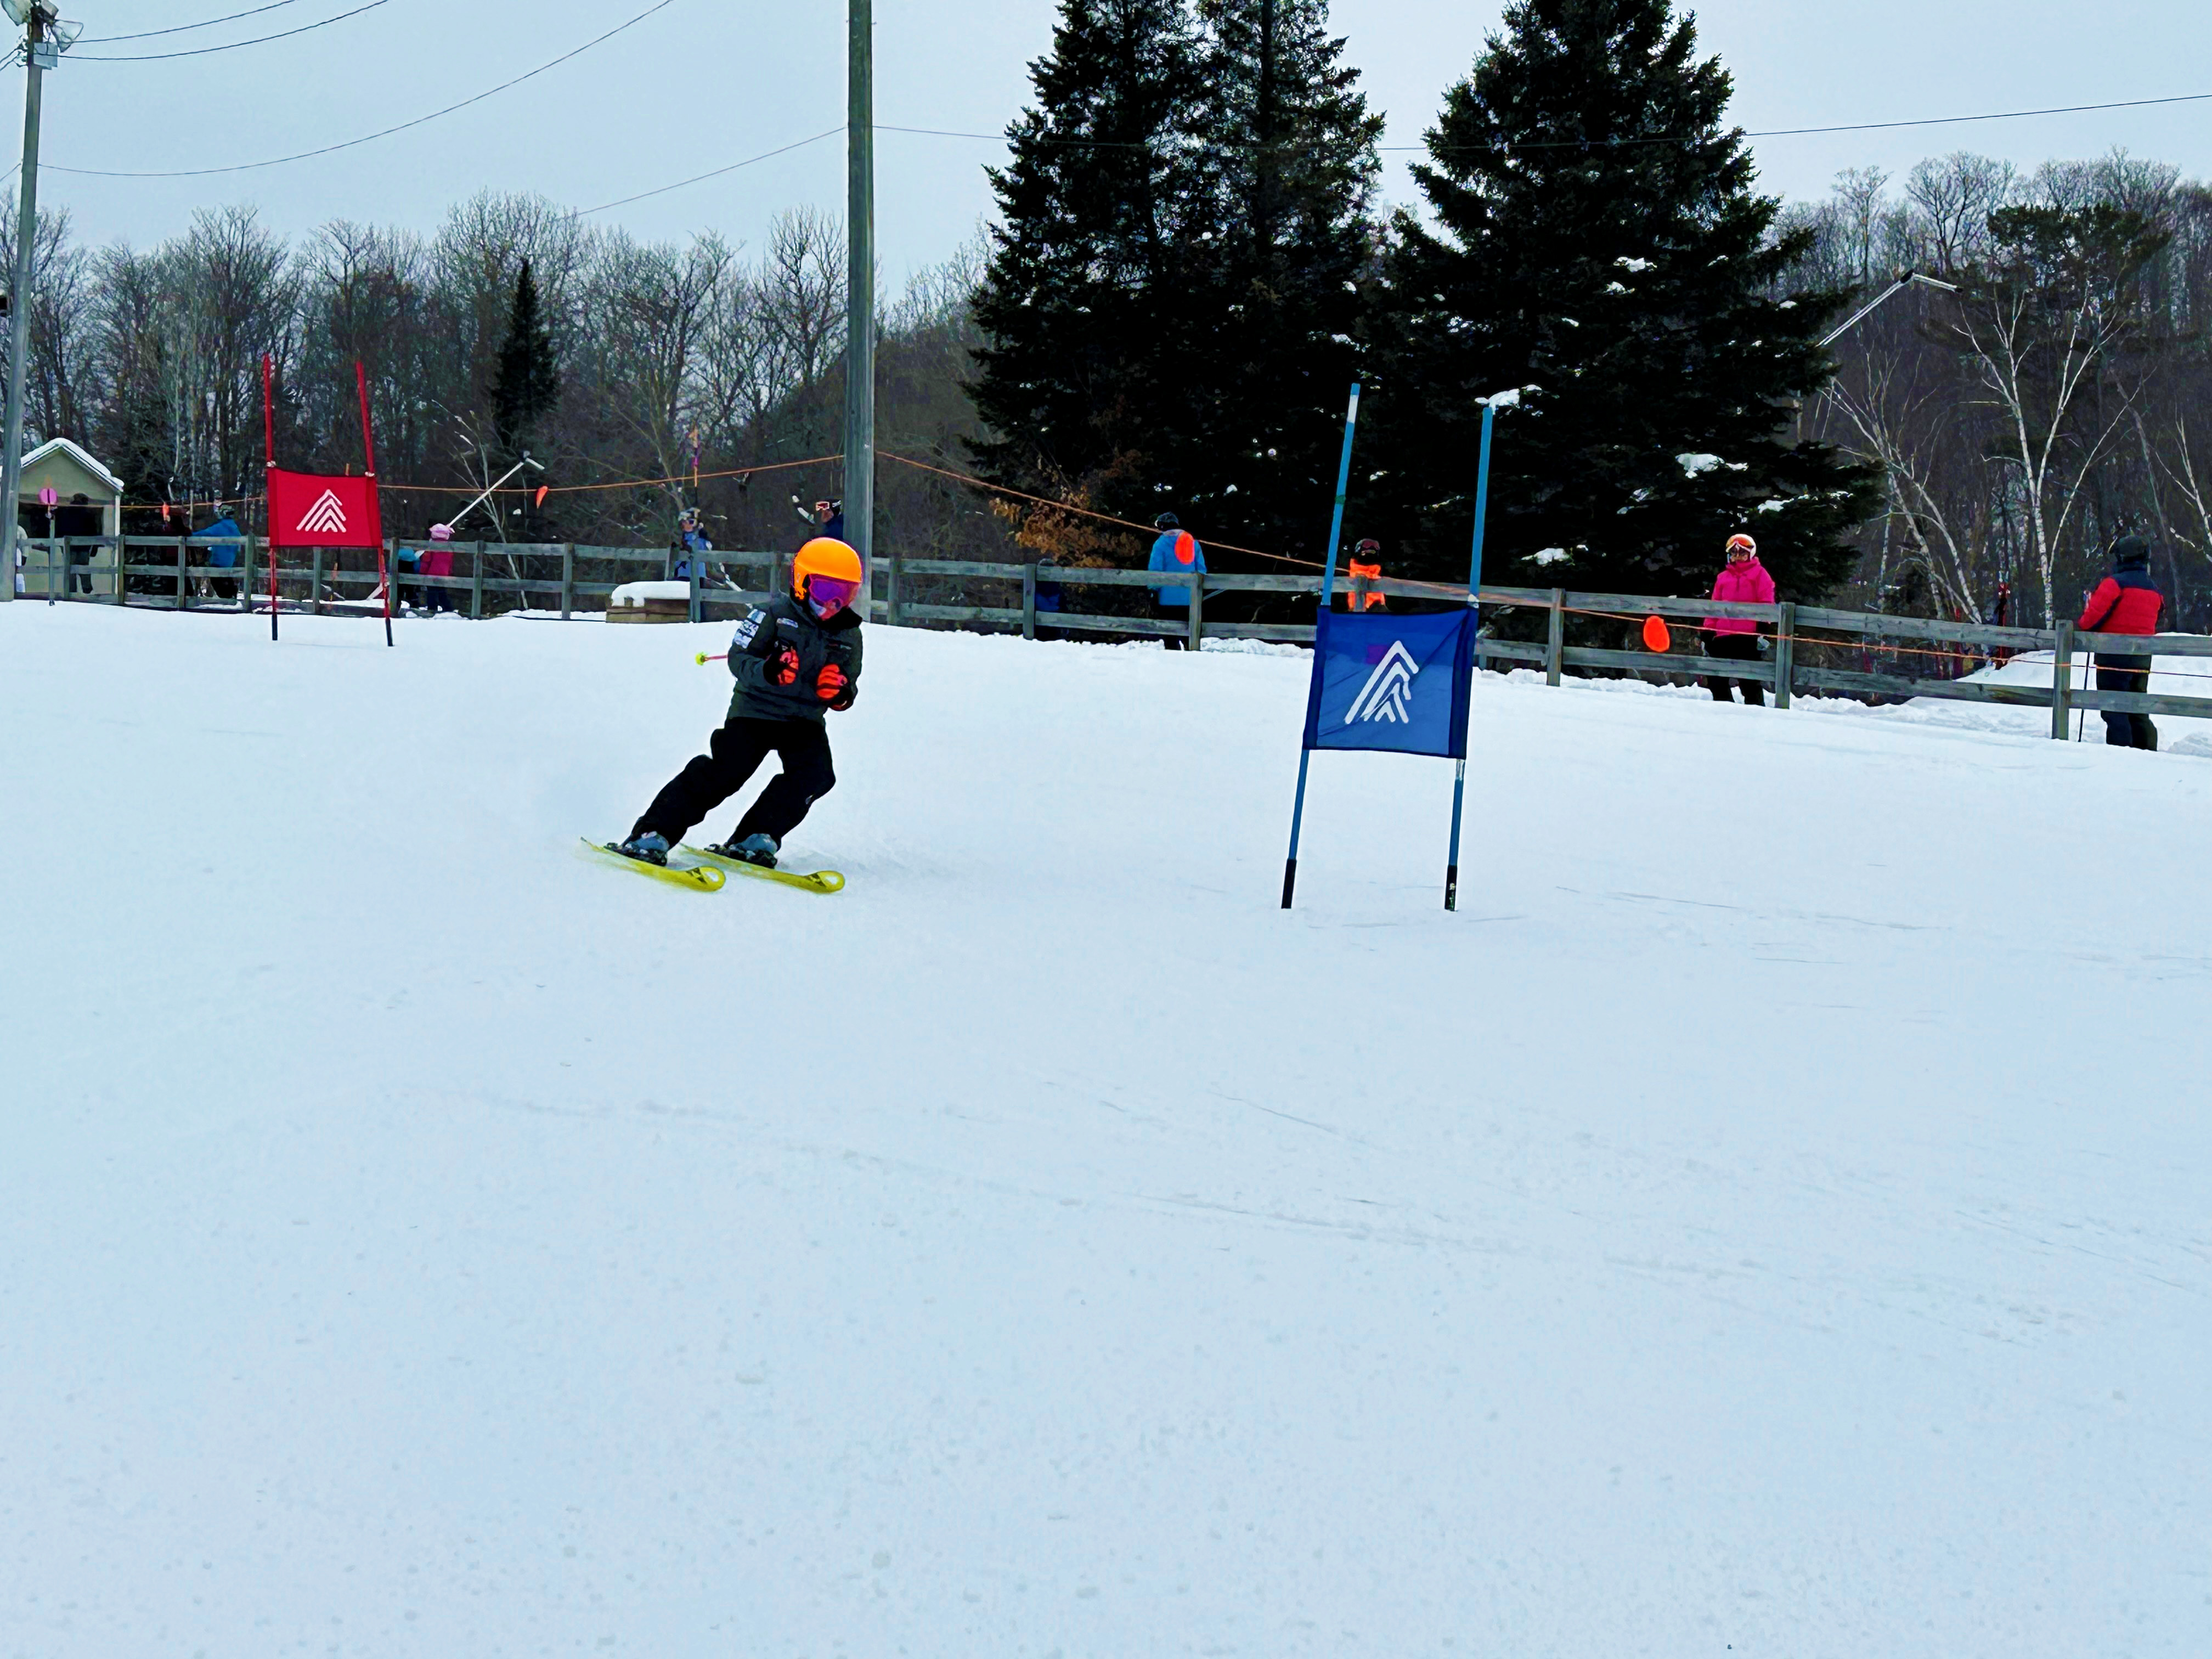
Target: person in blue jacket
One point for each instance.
(1178, 550)
(692, 542)
(225, 535)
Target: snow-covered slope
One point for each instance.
(1770, 1218)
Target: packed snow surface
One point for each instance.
(1770, 1218)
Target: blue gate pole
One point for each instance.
(1328, 598)
(1297, 815)
(1474, 602)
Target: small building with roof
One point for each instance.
(69, 470)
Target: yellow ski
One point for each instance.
(807, 881)
(699, 878)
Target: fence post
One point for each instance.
(184, 574)
(1785, 654)
(1555, 636)
(476, 581)
(691, 564)
(1029, 600)
(896, 609)
(122, 558)
(1197, 610)
(315, 586)
(2062, 681)
(568, 578)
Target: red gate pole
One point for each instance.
(269, 449)
(375, 498)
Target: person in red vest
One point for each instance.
(2125, 603)
(1744, 581)
(1366, 568)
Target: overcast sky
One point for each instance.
(705, 83)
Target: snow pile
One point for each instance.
(1769, 1218)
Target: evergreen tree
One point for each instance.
(1289, 173)
(1085, 304)
(526, 381)
(1597, 244)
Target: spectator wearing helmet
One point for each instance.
(692, 542)
(795, 659)
(1176, 550)
(1365, 570)
(2125, 603)
(1743, 581)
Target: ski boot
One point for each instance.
(759, 849)
(648, 847)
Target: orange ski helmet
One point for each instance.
(825, 557)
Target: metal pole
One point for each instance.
(860, 294)
(1297, 816)
(1481, 512)
(387, 569)
(19, 298)
(1336, 518)
(1451, 864)
(1321, 636)
(1474, 603)
(1481, 516)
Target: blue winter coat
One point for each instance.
(221, 556)
(1163, 558)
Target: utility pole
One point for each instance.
(860, 292)
(39, 56)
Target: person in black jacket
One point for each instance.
(794, 660)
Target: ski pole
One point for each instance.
(703, 658)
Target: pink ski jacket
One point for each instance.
(1747, 583)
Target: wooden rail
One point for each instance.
(167, 571)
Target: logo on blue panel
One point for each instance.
(1388, 693)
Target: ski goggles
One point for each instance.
(830, 594)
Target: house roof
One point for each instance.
(63, 446)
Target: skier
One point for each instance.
(1176, 547)
(793, 660)
(1744, 581)
(2125, 603)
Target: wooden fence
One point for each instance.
(167, 573)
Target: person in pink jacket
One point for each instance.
(1744, 581)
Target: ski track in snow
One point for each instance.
(1770, 1219)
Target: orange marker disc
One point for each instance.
(1656, 636)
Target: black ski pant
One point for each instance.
(734, 754)
(1174, 613)
(1737, 647)
(2125, 674)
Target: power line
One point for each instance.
(1615, 143)
(2001, 115)
(185, 28)
(259, 39)
(371, 137)
(663, 190)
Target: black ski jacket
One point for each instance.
(765, 630)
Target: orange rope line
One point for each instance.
(1063, 506)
